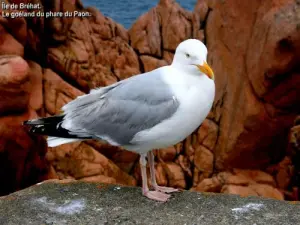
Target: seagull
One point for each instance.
(152, 110)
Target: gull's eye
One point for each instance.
(187, 55)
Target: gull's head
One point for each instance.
(191, 55)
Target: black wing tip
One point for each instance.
(26, 122)
(31, 122)
(45, 120)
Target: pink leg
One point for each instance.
(155, 195)
(153, 178)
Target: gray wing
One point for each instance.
(117, 112)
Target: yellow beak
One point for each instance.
(205, 68)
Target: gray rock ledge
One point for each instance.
(90, 203)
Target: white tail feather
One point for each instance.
(55, 141)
